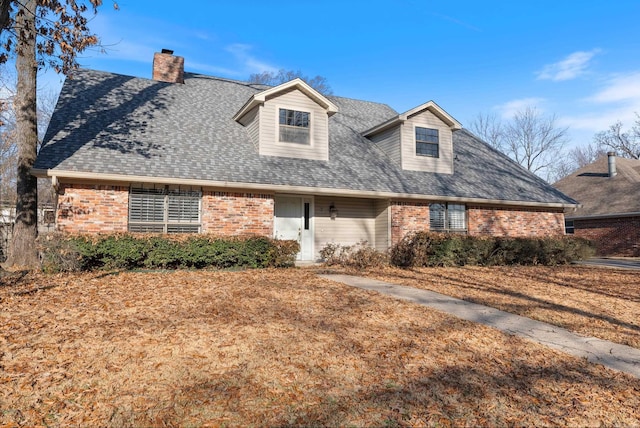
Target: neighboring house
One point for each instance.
(609, 193)
(192, 153)
(46, 223)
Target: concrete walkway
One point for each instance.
(613, 262)
(612, 355)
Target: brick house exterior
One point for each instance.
(616, 236)
(517, 222)
(229, 213)
(185, 153)
(92, 208)
(95, 208)
(609, 193)
(408, 217)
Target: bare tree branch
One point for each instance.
(532, 140)
(583, 156)
(625, 144)
(318, 83)
(489, 128)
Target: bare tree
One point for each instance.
(8, 154)
(576, 158)
(39, 33)
(529, 138)
(584, 155)
(489, 127)
(8, 143)
(625, 144)
(534, 141)
(318, 83)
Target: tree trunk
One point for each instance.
(4, 14)
(23, 250)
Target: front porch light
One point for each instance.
(333, 211)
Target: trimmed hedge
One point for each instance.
(62, 253)
(423, 249)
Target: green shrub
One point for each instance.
(164, 253)
(116, 251)
(476, 250)
(131, 251)
(438, 249)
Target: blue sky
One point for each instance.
(578, 60)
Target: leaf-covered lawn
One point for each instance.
(591, 301)
(276, 347)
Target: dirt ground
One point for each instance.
(285, 348)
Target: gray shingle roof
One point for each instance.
(600, 194)
(107, 123)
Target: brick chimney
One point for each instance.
(168, 68)
(612, 164)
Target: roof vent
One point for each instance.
(612, 164)
(168, 68)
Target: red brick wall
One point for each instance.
(88, 208)
(225, 213)
(408, 217)
(514, 222)
(613, 237)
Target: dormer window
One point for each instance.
(294, 126)
(427, 142)
(420, 139)
(289, 120)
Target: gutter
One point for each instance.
(56, 175)
(603, 216)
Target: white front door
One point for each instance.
(293, 221)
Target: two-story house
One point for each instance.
(188, 153)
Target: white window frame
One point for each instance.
(161, 198)
(447, 220)
(310, 128)
(416, 141)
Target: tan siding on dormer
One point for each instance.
(252, 123)
(389, 142)
(269, 127)
(413, 162)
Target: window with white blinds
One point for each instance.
(445, 217)
(164, 210)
